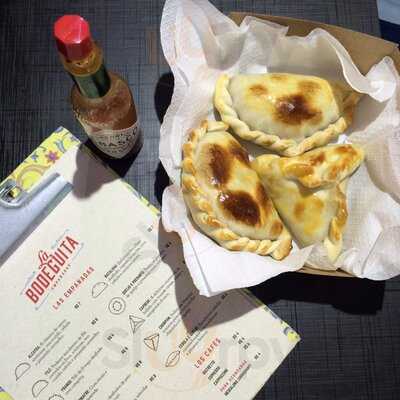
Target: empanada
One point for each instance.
(226, 197)
(309, 192)
(286, 113)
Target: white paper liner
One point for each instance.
(200, 43)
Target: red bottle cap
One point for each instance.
(73, 39)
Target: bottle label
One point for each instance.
(114, 143)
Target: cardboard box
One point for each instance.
(365, 50)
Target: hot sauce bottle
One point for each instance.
(101, 100)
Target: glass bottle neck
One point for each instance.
(95, 84)
(89, 74)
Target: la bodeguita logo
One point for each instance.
(51, 266)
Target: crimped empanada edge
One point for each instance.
(223, 102)
(202, 211)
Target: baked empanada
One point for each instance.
(286, 113)
(309, 192)
(226, 197)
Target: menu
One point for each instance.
(97, 304)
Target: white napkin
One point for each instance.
(200, 43)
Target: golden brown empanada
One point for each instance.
(286, 113)
(226, 197)
(309, 192)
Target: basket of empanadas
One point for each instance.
(276, 147)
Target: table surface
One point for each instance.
(350, 328)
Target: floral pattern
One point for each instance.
(34, 156)
(52, 156)
(42, 158)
